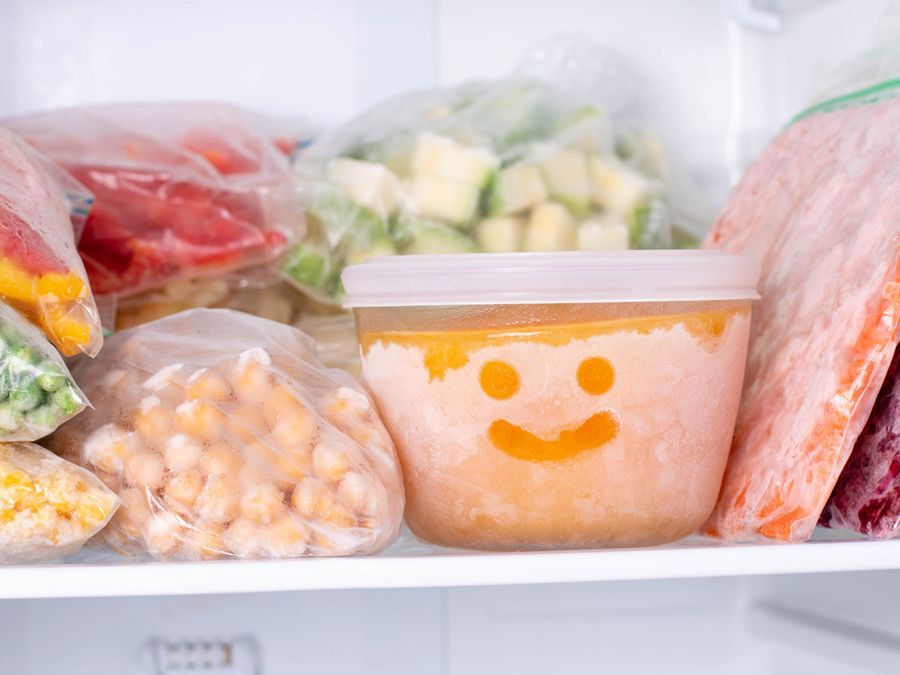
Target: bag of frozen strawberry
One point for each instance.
(182, 191)
(41, 212)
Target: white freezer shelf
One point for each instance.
(690, 558)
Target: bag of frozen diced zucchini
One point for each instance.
(549, 158)
(225, 437)
(41, 275)
(37, 393)
(181, 190)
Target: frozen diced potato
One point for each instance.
(516, 189)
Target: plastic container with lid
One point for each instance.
(556, 400)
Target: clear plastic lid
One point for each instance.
(550, 278)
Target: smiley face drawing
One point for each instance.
(595, 376)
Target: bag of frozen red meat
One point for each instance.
(866, 498)
(41, 275)
(181, 190)
(225, 437)
(819, 208)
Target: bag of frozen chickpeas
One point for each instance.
(225, 437)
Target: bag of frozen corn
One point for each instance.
(41, 275)
(48, 507)
(546, 159)
(225, 437)
(37, 393)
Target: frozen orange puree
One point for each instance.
(608, 432)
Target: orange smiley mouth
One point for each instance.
(595, 431)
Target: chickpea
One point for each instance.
(358, 493)
(282, 404)
(181, 491)
(252, 382)
(108, 448)
(163, 534)
(312, 498)
(298, 430)
(208, 385)
(330, 462)
(182, 452)
(286, 538)
(263, 503)
(200, 419)
(145, 470)
(220, 460)
(152, 420)
(219, 500)
(134, 512)
(243, 538)
(339, 517)
(203, 544)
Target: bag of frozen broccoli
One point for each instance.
(548, 158)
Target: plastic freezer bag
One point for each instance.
(37, 393)
(819, 209)
(48, 507)
(550, 158)
(41, 274)
(182, 190)
(224, 436)
(866, 498)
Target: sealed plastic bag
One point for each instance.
(224, 436)
(41, 274)
(866, 498)
(48, 507)
(182, 190)
(819, 209)
(546, 159)
(37, 393)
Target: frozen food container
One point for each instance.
(556, 400)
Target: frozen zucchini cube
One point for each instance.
(502, 234)
(516, 189)
(566, 173)
(615, 186)
(441, 157)
(550, 228)
(442, 199)
(419, 236)
(589, 129)
(608, 232)
(371, 185)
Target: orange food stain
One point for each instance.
(499, 380)
(596, 375)
(449, 350)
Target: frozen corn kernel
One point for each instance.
(286, 538)
(330, 461)
(145, 469)
(263, 503)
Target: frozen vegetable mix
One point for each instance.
(866, 498)
(41, 274)
(547, 159)
(182, 190)
(818, 208)
(48, 507)
(37, 393)
(225, 437)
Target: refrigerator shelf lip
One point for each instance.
(687, 559)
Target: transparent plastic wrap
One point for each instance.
(550, 158)
(48, 507)
(41, 212)
(182, 190)
(866, 498)
(37, 393)
(225, 437)
(818, 209)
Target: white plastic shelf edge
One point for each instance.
(442, 570)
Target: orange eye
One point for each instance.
(596, 375)
(499, 380)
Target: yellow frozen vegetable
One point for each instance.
(225, 437)
(48, 506)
